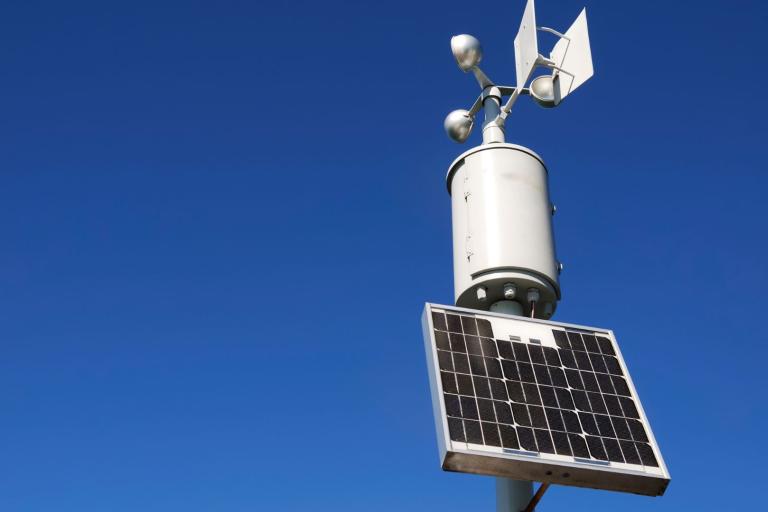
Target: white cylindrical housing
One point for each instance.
(502, 227)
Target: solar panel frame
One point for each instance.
(523, 462)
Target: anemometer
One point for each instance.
(570, 62)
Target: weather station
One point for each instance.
(516, 395)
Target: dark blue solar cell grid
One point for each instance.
(573, 400)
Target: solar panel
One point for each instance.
(537, 400)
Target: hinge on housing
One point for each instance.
(468, 240)
(468, 244)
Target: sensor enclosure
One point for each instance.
(502, 227)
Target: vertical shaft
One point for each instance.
(493, 131)
(511, 495)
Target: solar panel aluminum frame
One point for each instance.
(531, 466)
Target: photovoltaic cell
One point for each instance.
(566, 396)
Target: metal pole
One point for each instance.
(493, 130)
(511, 495)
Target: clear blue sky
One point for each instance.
(220, 221)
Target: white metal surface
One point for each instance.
(502, 226)
(526, 45)
(530, 466)
(573, 55)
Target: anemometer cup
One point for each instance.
(458, 125)
(542, 90)
(467, 51)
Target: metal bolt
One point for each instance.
(510, 291)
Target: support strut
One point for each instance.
(536, 498)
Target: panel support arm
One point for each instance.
(536, 498)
